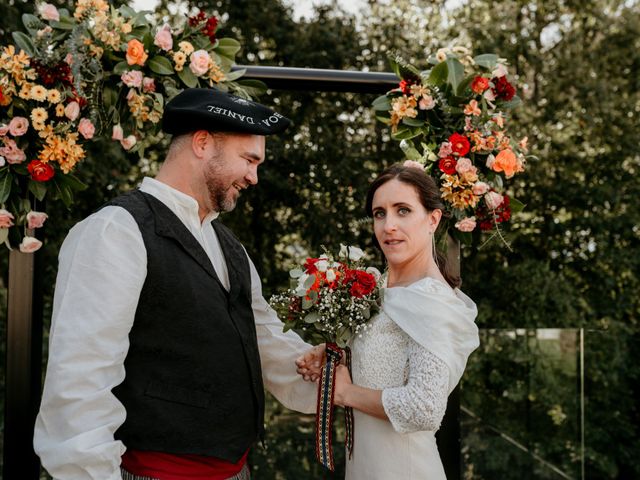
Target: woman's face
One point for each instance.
(401, 224)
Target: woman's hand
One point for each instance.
(310, 364)
(343, 384)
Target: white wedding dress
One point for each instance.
(415, 351)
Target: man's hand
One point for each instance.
(310, 364)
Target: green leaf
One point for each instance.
(187, 77)
(513, 103)
(63, 24)
(109, 97)
(516, 205)
(24, 43)
(236, 74)
(39, 189)
(252, 87)
(464, 84)
(438, 74)
(456, 72)
(228, 47)
(126, 11)
(161, 65)
(5, 186)
(382, 103)
(32, 23)
(487, 60)
(405, 134)
(307, 303)
(312, 317)
(413, 122)
(120, 68)
(384, 119)
(71, 181)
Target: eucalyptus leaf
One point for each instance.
(487, 60)
(406, 134)
(307, 303)
(413, 122)
(236, 74)
(296, 273)
(312, 317)
(382, 103)
(513, 103)
(32, 23)
(309, 281)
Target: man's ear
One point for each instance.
(200, 143)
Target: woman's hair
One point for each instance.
(429, 196)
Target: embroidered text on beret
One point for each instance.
(208, 109)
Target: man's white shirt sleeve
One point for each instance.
(103, 265)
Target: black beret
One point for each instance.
(208, 109)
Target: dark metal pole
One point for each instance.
(23, 366)
(321, 80)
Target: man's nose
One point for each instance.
(252, 175)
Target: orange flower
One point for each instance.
(506, 162)
(135, 53)
(472, 108)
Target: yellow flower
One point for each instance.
(39, 115)
(54, 96)
(179, 58)
(25, 91)
(38, 125)
(38, 93)
(60, 110)
(186, 47)
(46, 131)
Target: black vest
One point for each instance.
(193, 382)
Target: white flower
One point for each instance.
(343, 251)
(441, 55)
(331, 275)
(499, 71)
(322, 265)
(355, 253)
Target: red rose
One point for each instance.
(310, 266)
(448, 165)
(459, 144)
(479, 84)
(363, 285)
(503, 89)
(502, 214)
(40, 172)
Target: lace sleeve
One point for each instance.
(420, 403)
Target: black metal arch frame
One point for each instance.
(24, 319)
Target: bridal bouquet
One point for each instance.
(332, 300)
(451, 119)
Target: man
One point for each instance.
(160, 338)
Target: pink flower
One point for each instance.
(18, 126)
(163, 38)
(413, 164)
(467, 124)
(490, 160)
(426, 103)
(69, 59)
(49, 12)
(199, 62)
(30, 244)
(4, 129)
(117, 133)
(86, 128)
(6, 218)
(36, 219)
(445, 150)
(72, 110)
(499, 71)
(148, 85)
(11, 152)
(464, 165)
(132, 78)
(129, 142)
(466, 224)
(480, 188)
(493, 200)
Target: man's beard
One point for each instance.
(219, 196)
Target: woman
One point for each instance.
(414, 352)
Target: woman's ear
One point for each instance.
(434, 219)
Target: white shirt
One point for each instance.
(102, 268)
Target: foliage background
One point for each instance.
(576, 256)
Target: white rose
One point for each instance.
(375, 272)
(355, 254)
(331, 275)
(322, 265)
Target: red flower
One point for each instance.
(502, 213)
(210, 28)
(40, 172)
(310, 266)
(448, 165)
(459, 144)
(479, 84)
(196, 19)
(503, 89)
(364, 284)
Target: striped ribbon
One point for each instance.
(325, 407)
